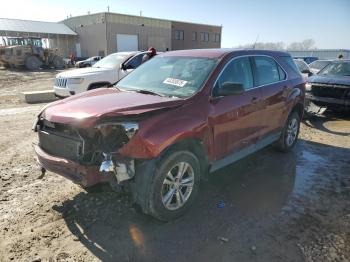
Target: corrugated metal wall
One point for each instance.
(322, 53)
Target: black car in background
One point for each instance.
(330, 88)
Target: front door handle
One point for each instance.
(254, 100)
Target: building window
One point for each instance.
(194, 36)
(204, 37)
(216, 38)
(179, 35)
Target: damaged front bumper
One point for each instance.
(328, 100)
(123, 169)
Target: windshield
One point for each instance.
(111, 61)
(336, 68)
(170, 76)
(319, 64)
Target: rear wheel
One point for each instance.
(290, 133)
(32, 63)
(174, 186)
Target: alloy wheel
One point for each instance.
(177, 186)
(292, 131)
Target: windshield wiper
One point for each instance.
(148, 92)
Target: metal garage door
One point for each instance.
(127, 43)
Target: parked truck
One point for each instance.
(28, 52)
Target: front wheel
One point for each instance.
(174, 186)
(290, 133)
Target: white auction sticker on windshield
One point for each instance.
(175, 82)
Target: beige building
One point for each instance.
(105, 33)
(194, 36)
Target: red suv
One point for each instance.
(172, 121)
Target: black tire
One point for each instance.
(58, 62)
(155, 205)
(32, 63)
(283, 144)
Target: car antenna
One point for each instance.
(256, 40)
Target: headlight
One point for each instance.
(75, 80)
(308, 87)
(130, 128)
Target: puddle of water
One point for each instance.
(306, 171)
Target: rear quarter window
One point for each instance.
(290, 63)
(268, 71)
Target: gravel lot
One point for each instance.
(276, 207)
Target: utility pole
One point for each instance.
(108, 9)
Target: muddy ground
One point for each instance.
(13, 82)
(273, 206)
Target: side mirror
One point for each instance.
(230, 89)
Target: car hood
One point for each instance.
(330, 79)
(87, 108)
(81, 72)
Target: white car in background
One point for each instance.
(105, 72)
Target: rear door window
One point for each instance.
(238, 71)
(267, 70)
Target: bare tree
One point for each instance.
(306, 44)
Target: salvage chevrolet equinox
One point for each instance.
(176, 118)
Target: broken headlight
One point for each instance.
(130, 128)
(115, 135)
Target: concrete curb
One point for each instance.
(32, 97)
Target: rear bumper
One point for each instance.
(83, 175)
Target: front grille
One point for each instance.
(61, 82)
(332, 91)
(60, 140)
(61, 146)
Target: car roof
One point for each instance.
(221, 52)
(125, 53)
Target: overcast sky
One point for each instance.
(325, 21)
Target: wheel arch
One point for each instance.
(298, 108)
(193, 145)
